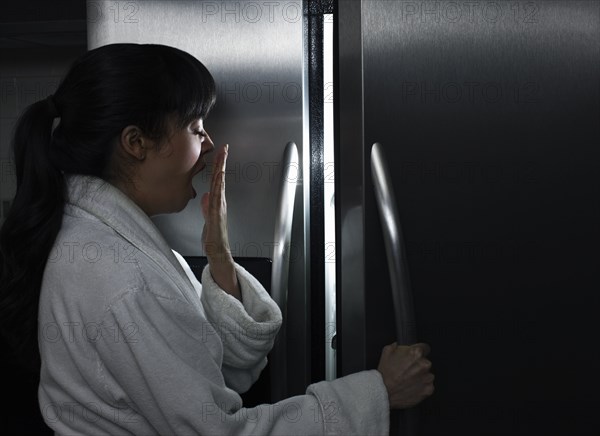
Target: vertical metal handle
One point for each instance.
(394, 246)
(398, 267)
(281, 264)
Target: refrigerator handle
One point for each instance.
(281, 263)
(394, 247)
(396, 256)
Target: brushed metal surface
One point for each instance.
(281, 266)
(254, 52)
(394, 247)
(493, 111)
(349, 181)
(404, 317)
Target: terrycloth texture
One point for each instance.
(131, 343)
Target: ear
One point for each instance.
(133, 142)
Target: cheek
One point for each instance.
(194, 155)
(186, 159)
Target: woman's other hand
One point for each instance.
(214, 234)
(406, 374)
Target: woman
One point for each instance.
(130, 342)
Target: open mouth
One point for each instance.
(200, 168)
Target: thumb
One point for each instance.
(204, 204)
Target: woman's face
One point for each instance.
(164, 177)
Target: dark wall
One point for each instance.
(38, 41)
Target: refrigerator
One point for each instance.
(255, 52)
(487, 120)
(487, 116)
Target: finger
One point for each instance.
(220, 163)
(217, 165)
(422, 349)
(221, 158)
(225, 155)
(429, 378)
(425, 365)
(216, 201)
(204, 203)
(218, 182)
(215, 189)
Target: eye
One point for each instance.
(200, 133)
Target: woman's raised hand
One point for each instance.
(214, 234)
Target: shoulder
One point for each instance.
(88, 246)
(90, 267)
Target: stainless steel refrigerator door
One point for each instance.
(254, 50)
(256, 60)
(395, 248)
(488, 112)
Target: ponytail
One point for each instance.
(105, 90)
(29, 231)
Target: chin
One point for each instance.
(182, 206)
(174, 208)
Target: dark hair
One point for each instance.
(105, 90)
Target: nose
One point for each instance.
(207, 144)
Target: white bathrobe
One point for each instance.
(132, 343)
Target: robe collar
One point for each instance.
(115, 209)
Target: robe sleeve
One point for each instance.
(247, 330)
(164, 364)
